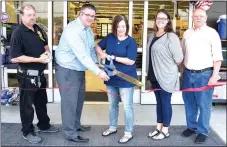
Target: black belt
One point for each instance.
(201, 70)
(30, 72)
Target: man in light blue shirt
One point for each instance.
(76, 54)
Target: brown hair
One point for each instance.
(88, 6)
(26, 6)
(116, 21)
(169, 25)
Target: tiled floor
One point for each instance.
(11, 136)
(145, 118)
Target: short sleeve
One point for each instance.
(132, 49)
(102, 43)
(216, 47)
(16, 45)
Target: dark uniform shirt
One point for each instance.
(26, 42)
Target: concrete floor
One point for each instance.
(11, 136)
(97, 114)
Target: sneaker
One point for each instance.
(52, 129)
(33, 138)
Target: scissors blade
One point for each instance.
(128, 78)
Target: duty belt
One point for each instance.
(30, 72)
(32, 75)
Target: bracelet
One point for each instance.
(114, 58)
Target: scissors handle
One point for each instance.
(108, 68)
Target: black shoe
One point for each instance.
(201, 138)
(84, 128)
(188, 132)
(52, 129)
(79, 139)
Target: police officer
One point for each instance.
(29, 48)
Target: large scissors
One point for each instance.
(112, 71)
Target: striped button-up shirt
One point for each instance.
(76, 49)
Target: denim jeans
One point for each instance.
(126, 95)
(163, 107)
(195, 101)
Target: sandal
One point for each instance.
(161, 136)
(150, 134)
(109, 132)
(125, 139)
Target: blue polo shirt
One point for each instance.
(126, 48)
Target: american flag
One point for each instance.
(204, 4)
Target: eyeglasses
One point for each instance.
(88, 15)
(162, 19)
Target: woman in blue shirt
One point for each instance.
(123, 50)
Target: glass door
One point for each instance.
(42, 14)
(57, 25)
(179, 12)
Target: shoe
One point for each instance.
(155, 133)
(188, 132)
(125, 139)
(79, 139)
(109, 132)
(52, 129)
(161, 136)
(84, 128)
(201, 138)
(32, 138)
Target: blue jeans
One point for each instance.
(163, 107)
(195, 101)
(126, 95)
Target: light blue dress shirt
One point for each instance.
(76, 49)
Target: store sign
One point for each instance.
(4, 17)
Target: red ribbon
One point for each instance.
(63, 87)
(152, 90)
(195, 89)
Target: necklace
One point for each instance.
(119, 41)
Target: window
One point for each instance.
(106, 11)
(57, 21)
(137, 22)
(182, 17)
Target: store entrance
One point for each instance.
(95, 88)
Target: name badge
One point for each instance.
(32, 72)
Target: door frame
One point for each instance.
(148, 97)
